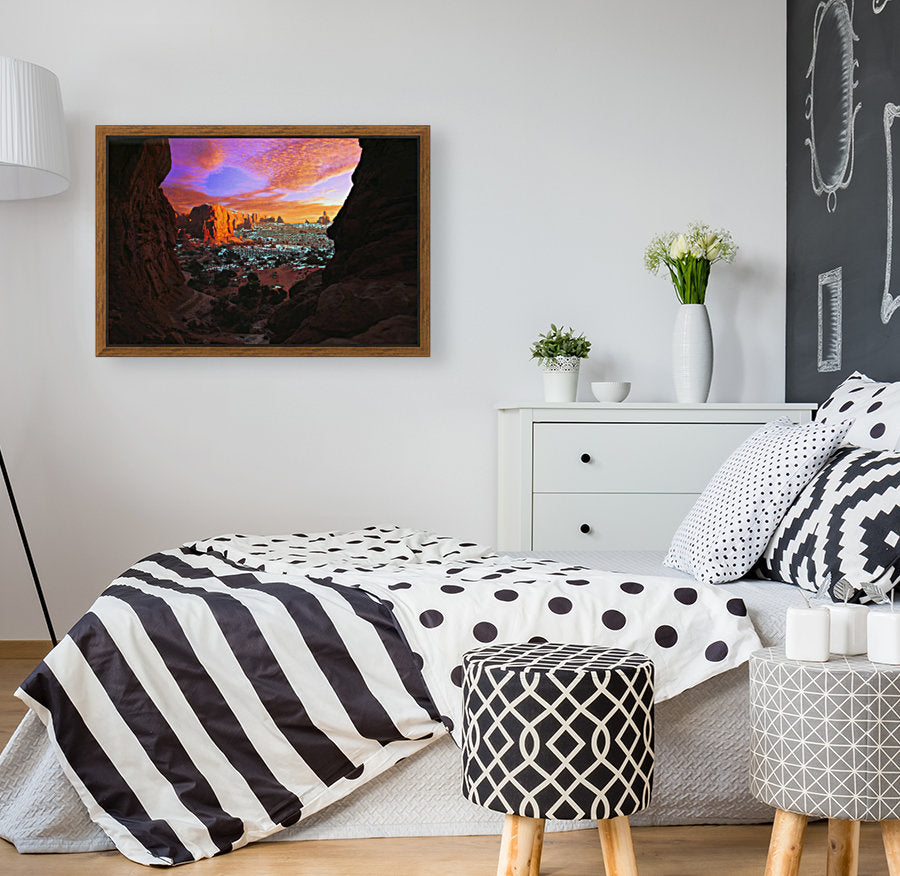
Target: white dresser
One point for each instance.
(589, 476)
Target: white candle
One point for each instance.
(848, 628)
(807, 634)
(884, 637)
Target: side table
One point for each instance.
(558, 731)
(825, 741)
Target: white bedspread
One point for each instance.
(468, 597)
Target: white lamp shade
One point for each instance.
(34, 156)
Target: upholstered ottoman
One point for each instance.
(558, 731)
(825, 741)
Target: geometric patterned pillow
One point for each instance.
(731, 522)
(844, 524)
(873, 408)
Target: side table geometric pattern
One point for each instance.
(558, 731)
(825, 741)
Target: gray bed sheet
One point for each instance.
(702, 759)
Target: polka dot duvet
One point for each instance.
(217, 693)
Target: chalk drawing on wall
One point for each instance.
(889, 302)
(831, 295)
(878, 5)
(831, 73)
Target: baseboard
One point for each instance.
(24, 649)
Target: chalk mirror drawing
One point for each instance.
(831, 293)
(889, 302)
(829, 104)
(861, 236)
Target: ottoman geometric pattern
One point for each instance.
(825, 740)
(558, 731)
(825, 737)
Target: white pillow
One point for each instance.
(872, 407)
(728, 528)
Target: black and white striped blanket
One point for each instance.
(219, 692)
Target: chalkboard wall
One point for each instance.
(843, 193)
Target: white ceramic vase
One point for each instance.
(561, 379)
(692, 354)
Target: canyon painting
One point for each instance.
(215, 241)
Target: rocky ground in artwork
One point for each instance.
(236, 286)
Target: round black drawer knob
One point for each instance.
(585, 457)
(585, 528)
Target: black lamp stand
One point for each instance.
(34, 574)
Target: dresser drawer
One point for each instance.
(631, 457)
(615, 521)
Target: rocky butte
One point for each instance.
(212, 223)
(245, 221)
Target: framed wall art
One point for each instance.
(262, 241)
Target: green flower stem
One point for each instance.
(675, 284)
(690, 277)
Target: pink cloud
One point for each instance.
(287, 175)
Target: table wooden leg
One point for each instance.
(520, 846)
(843, 847)
(786, 844)
(890, 832)
(618, 850)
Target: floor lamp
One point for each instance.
(34, 163)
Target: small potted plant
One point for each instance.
(559, 353)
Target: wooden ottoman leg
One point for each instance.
(843, 847)
(520, 846)
(618, 851)
(890, 832)
(786, 844)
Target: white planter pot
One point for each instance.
(692, 354)
(561, 379)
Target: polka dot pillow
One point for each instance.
(873, 409)
(728, 528)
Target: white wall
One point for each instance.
(564, 135)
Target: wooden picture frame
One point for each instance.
(182, 270)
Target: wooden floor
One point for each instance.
(661, 851)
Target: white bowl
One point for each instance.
(611, 390)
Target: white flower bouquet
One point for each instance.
(688, 257)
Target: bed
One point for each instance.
(164, 723)
(701, 730)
